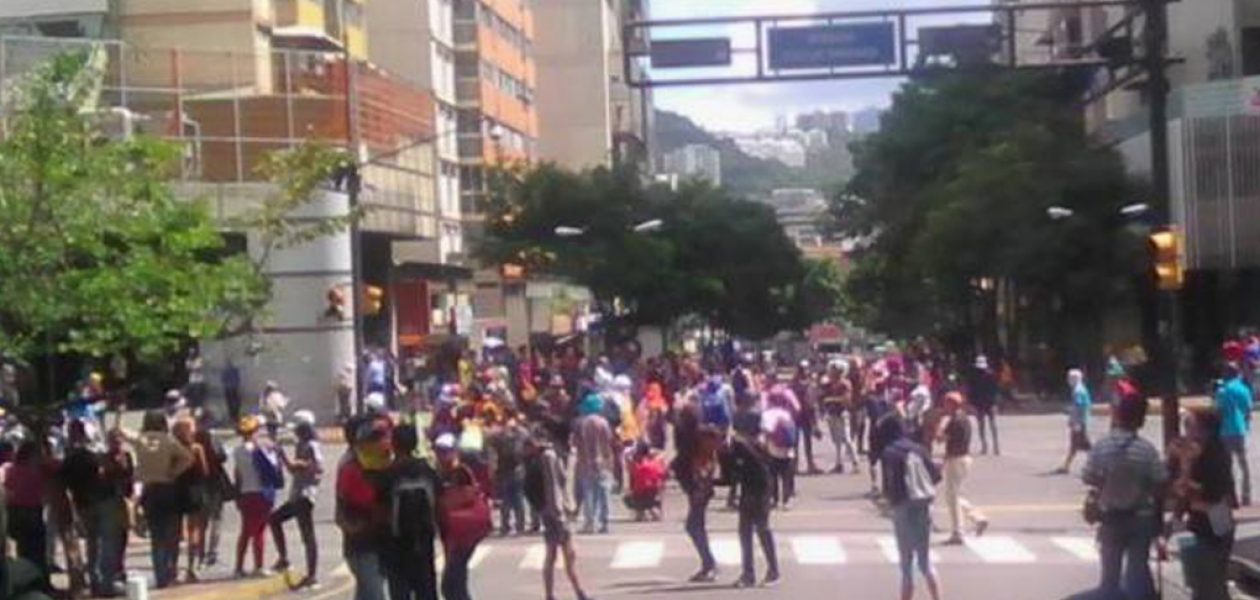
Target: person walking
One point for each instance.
(955, 432)
(593, 438)
(1203, 493)
(696, 473)
(25, 480)
(362, 509)
(1078, 418)
(160, 461)
(982, 391)
(96, 505)
(909, 485)
(545, 490)
(780, 429)
(749, 468)
(506, 443)
(258, 478)
(805, 388)
(307, 469)
(412, 507)
(217, 489)
(230, 380)
(193, 484)
(463, 516)
(1234, 402)
(1126, 478)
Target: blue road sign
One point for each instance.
(700, 52)
(827, 46)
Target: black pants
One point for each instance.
(986, 414)
(807, 444)
(754, 516)
(412, 574)
(30, 535)
(233, 398)
(301, 510)
(455, 578)
(784, 484)
(698, 531)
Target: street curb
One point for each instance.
(235, 590)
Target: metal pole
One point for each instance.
(353, 185)
(1156, 42)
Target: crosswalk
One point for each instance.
(630, 554)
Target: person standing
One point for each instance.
(160, 461)
(955, 431)
(307, 469)
(696, 472)
(749, 468)
(193, 484)
(412, 514)
(909, 480)
(1078, 418)
(97, 506)
(805, 389)
(258, 478)
(593, 439)
(837, 409)
(230, 379)
(982, 392)
(780, 429)
(194, 366)
(1234, 402)
(459, 538)
(506, 445)
(1203, 495)
(25, 480)
(1126, 477)
(545, 490)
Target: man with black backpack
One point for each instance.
(545, 490)
(412, 503)
(747, 465)
(909, 485)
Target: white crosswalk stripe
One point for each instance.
(533, 559)
(888, 546)
(1081, 547)
(479, 555)
(725, 550)
(638, 555)
(817, 550)
(1000, 549)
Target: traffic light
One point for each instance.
(512, 272)
(373, 300)
(1166, 250)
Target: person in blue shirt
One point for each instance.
(1078, 418)
(1234, 403)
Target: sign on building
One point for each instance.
(830, 46)
(700, 52)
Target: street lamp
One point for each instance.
(566, 231)
(1059, 213)
(1135, 209)
(644, 227)
(648, 226)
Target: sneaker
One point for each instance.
(838, 469)
(603, 529)
(704, 576)
(281, 565)
(745, 581)
(772, 578)
(264, 572)
(307, 582)
(981, 527)
(211, 559)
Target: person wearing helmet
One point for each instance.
(257, 481)
(307, 468)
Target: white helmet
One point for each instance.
(374, 402)
(304, 417)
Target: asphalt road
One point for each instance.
(833, 543)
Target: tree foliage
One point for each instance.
(954, 190)
(715, 257)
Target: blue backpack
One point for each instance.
(713, 409)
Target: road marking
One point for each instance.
(725, 550)
(533, 560)
(1000, 549)
(479, 555)
(817, 550)
(888, 546)
(638, 555)
(439, 562)
(1081, 547)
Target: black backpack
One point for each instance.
(413, 508)
(535, 483)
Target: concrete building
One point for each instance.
(694, 161)
(61, 18)
(587, 114)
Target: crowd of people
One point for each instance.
(556, 443)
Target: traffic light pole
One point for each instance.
(1156, 67)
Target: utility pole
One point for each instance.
(1155, 40)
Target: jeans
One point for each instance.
(161, 510)
(698, 531)
(412, 573)
(30, 536)
(369, 579)
(1124, 551)
(841, 430)
(511, 503)
(106, 527)
(1237, 446)
(987, 415)
(912, 524)
(1206, 565)
(784, 485)
(956, 470)
(595, 499)
(754, 517)
(300, 509)
(455, 577)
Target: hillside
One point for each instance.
(741, 173)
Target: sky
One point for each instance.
(751, 107)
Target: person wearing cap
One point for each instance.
(982, 391)
(909, 478)
(307, 468)
(256, 471)
(955, 433)
(1078, 418)
(453, 473)
(361, 510)
(1234, 402)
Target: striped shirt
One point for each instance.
(1126, 470)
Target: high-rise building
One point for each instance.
(579, 47)
(866, 121)
(694, 161)
(60, 18)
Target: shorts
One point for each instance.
(1078, 440)
(555, 530)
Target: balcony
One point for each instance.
(465, 35)
(471, 147)
(468, 91)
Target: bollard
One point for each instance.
(137, 588)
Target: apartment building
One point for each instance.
(587, 114)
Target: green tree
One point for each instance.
(716, 257)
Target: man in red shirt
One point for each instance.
(361, 513)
